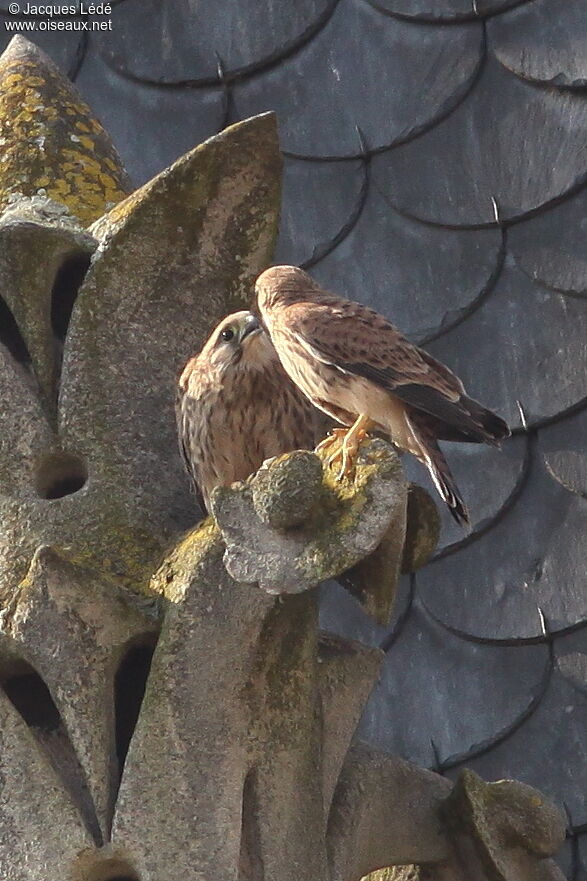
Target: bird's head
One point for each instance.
(231, 340)
(239, 340)
(282, 285)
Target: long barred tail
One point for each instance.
(432, 457)
(445, 484)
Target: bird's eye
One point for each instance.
(227, 334)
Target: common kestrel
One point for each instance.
(236, 407)
(354, 365)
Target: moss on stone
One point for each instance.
(286, 491)
(183, 562)
(340, 508)
(423, 529)
(51, 143)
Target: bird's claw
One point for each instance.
(346, 443)
(335, 437)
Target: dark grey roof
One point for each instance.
(435, 154)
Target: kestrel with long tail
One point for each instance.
(354, 365)
(236, 407)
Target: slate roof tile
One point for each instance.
(443, 10)
(540, 46)
(571, 661)
(341, 613)
(183, 40)
(434, 718)
(524, 343)
(150, 128)
(549, 750)
(63, 47)
(415, 74)
(564, 448)
(321, 201)
(581, 864)
(518, 143)
(550, 247)
(488, 478)
(531, 560)
(423, 278)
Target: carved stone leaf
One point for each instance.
(175, 256)
(41, 227)
(386, 812)
(74, 631)
(51, 142)
(195, 705)
(24, 431)
(31, 797)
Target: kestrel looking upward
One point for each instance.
(236, 407)
(354, 365)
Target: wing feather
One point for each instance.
(359, 341)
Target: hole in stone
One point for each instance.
(31, 697)
(66, 286)
(112, 869)
(59, 475)
(251, 863)
(11, 337)
(129, 688)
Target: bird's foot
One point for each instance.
(343, 445)
(347, 453)
(333, 439)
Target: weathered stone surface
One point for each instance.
(373, 580)
(74, 631)
(205, 760)
(286, 492)
(348, 523)
(24, 428)
(43, 230)
(385, 812)
(510, 823)
(33, 845)
(52, 145)
(188, 243)
(258, 748)
(423, 529)
(346, 673)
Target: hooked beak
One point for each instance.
(252, 326)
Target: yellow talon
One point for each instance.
(335, 436)
(346, 443)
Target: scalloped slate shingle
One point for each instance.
(418, 122)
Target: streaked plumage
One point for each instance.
(236, 407)
(350, 362)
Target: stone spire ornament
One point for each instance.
(168, 706)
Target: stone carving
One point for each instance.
(168, 706)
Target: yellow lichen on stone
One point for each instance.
(40, 113)
(173, 575)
